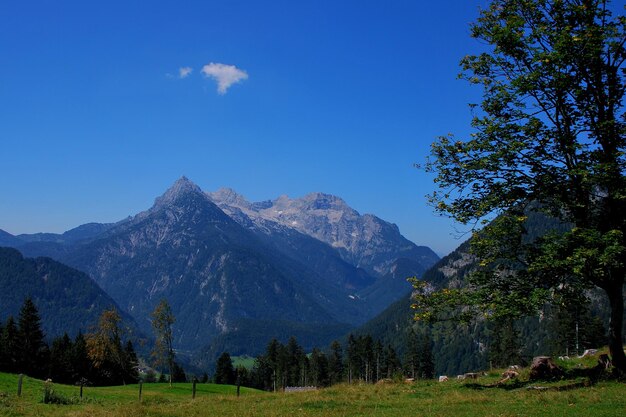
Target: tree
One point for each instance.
(162, 321)
(426, 361)
(31, 348)
(61, 366)
(80, 359)
(504, 346)
(104, 349)
(318, 368)
(335, 363)
(412, 353)
(9, 341)
(131, 368)
(224, 370)
(178, 373)
(550, 136)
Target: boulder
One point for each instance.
(543, 367)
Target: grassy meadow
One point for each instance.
(422, 398)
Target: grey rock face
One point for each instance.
(365, 241)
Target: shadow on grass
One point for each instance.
(552, 385)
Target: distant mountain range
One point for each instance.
(238, 273)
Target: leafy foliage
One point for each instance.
(550, 136)
(104, 349)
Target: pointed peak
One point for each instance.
(183, 186)
(183, 182)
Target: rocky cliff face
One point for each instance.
(364, 241)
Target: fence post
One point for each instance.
(193, 389)
(238, 384)
(81, 390)
(19, 384)
(140, 388)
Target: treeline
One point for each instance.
(97, 358)
(361, 358)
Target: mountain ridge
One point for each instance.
(226, 266)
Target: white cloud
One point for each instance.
(184, 72)
(224, 75)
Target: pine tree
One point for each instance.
(391, 362)
(224, 370)
(412, 353)
(130, 363)
(178, 373)
(505, 349)
(318, 368)
(80, 360)
(335, 363)
(9, 340)
(426, 359)
(61, 364)
(31, 348)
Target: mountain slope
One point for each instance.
(67, 299)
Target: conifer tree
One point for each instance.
(426, 358)
(335, 363)
(9, 340)
(31, 347)
(224, 370)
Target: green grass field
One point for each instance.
(245, 361)
(423, 398)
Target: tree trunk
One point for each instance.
(616, 348)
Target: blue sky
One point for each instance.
(341, 97)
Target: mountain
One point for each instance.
(236, 273)
(7, 239)
(364, 241)
(216, 274)
(53, 245)
(67, 299)
(461, 348)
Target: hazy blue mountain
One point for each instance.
(7, 239)
(214, 272)
(393, 286)
(238, 274)
(67, 299)
(53, 245)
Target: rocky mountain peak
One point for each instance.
(181, 188)
(229, 197)
(321, 201)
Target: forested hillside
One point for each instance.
(67, 299)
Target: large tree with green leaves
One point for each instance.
(550, 136)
